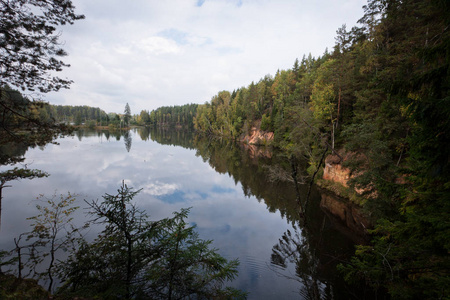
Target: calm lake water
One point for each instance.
(233, 203)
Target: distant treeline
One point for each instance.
(169, 116)
(79, 114)
(47, 113)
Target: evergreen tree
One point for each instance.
(127, 115)
(134, 257)
(410, 246)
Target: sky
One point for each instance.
(150, 53)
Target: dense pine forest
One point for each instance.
(381, 94)
(169, 116)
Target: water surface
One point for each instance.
(232, 202)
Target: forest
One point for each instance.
(382, 95)
(46, 113)
(169, 116)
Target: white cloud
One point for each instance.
(158, 188)
(156, 45)
(155, 53)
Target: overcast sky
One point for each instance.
(153, 53)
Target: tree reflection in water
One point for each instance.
(127, 140)
(311, 248)
(294, 248)
(314, 245)
(117, 134)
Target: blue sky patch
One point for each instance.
(202, 194)
(176, 35)
(177, 196)
(221, 190)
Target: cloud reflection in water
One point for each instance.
(171, 178)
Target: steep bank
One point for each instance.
(345, 204)
(336, 179)
(257, 137)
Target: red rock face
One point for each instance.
(336, 173)
(258, 137)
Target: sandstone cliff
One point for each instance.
(335, 171)
(336, 178)
(255, 139)
(258, 137)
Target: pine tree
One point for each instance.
(127, 115)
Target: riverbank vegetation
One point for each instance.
(132, 257)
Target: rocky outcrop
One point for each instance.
(258, 137)
(348, 213)
(336, 172)
(255, 139)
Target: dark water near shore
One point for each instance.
(235, 198)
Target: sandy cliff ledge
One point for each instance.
(335, 171)
(258, 137)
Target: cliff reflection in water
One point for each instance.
(316, 243)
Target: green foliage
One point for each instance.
(28, 122)
(127, 115)
(383, 96)
(265, 123)
(14, 288)
(79, 114)
(399, 259)
(144, 118)
(30, 54)
(52, 231)
(322, 102)
(173, 116)
(405, 114)
(188, 266)
(30, 43)
(91, 124)
(134, 257)
(342, 191)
